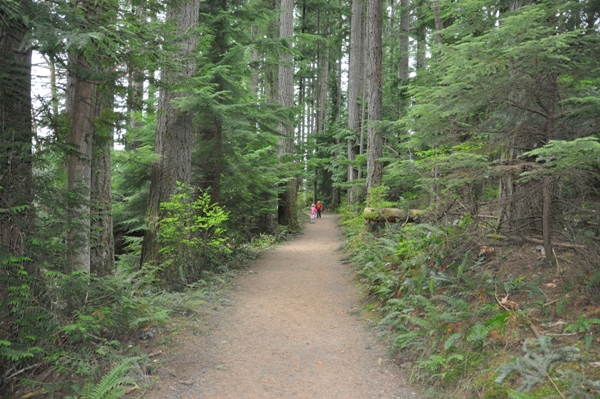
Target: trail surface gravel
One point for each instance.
(291, 330)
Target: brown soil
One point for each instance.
(291, 330)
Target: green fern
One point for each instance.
(452, 339)
(112, 384)
(409, 339)
(18, 352)
(159, 316)
(439, 365)
(457, 310)
(478, 333)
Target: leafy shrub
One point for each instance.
(191, 234)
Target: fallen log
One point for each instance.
(392, 215)
(555, 243)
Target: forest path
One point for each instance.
(291, 330)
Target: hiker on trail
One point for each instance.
(313, 211)
(319, 207)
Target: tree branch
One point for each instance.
(535, 111)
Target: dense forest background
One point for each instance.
(155, 141)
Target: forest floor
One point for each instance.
(290, 326)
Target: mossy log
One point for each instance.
(392, 215)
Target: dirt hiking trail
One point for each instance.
(291, 330)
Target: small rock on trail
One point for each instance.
(290, 330)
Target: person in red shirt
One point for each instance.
(319, 207)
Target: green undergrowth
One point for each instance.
(450, 322)
(70, 335)
(67, 330)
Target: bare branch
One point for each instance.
(535, 111)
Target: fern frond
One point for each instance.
(455, 303)
(110, 385)
(406, 340)
(453, 338)
(425, 324)
(159, 316)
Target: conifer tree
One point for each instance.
(174, 129)
(355, 87)
(403, 66)
(287, 199)
(102, 250)
(16, 188)
(90, 137)
(374, 91)
(513, 83)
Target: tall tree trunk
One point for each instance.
(375, 86)
(403, 67)
(335, 194)
(53, 95)
(322, 95)
(355, 86)
(547, 182)
(272, 69)
(363, 95)
(254, 60)
(16, 192)
(438, 22)
(135, 87)
(507, 189)
(421, 48)
(174, 134)
(302, 117)
(103, 248)
(302, 98)
(338, 84)
(322, 84)
(91, 186)
(135, 101)
(315, 186)
(79, 175)
(287, 199)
